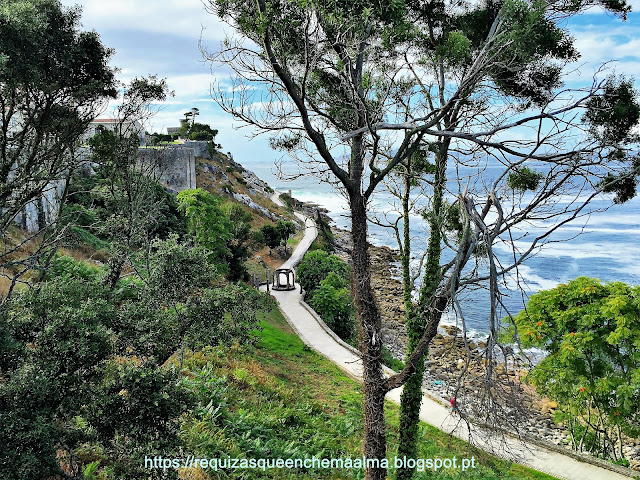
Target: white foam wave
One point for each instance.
(332, 201)
(610, 231)
(610, 218)
(530, 280)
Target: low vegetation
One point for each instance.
(325, 279)
(278, 398)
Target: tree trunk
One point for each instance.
(370, 343)
(416, 319)
(116, 264)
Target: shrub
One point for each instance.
(207, 222)
(332, 300)
(66, 267)
(316, 266)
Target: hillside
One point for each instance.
(195, 366)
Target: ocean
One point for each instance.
(604, 245)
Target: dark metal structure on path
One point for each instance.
(284, 279)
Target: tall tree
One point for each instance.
(131, 188)
(54, 79)
(207, 223)
(341, 79)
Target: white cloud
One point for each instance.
(609, 40)
(178, 17)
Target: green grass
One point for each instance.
(281, 399)
(295, 240)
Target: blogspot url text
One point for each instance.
(230, 463)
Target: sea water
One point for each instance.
(603, 245)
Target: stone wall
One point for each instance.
(42, 211)
(173, 166)
(200, 148)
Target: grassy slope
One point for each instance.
(280, 399)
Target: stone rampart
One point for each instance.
(173, 166)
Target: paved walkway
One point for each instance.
(316, 335)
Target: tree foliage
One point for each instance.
(65, 325)
(326, 281)
(98, 201)
(53, 81)
(333, 301)
(207, 222)
(84, 367)
(128, 189)
(240, 240)
(591, 332)
(278, 234)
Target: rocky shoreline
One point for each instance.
(458, 369)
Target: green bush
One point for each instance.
(82, 215)
(80, 236)
(332, 301)
(207, 223)
(317, 265)
(66, 267)
(145, 402)
(325, 278)
(59, 337)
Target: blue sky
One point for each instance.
(161, 37)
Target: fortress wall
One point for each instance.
(174, 166)
(200, 148)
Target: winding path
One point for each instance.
(312, 330)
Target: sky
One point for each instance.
(162, 38)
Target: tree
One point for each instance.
(181, 280)
(270, 236)
(61, 328)
(136, 412)
(85, 368)
(207, 223)
(333, 302)
(54, 79)
(202, 131)
(341, 79)
(591, 332)
(403, 184)
(240, 239)
(131, 191)
(188, 122)
(285, 229)
(278, 234)
(517, 67)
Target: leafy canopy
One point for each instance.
(54, 79)
(317, 265)
(591, 332)
(207, 222)
(334, 303)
